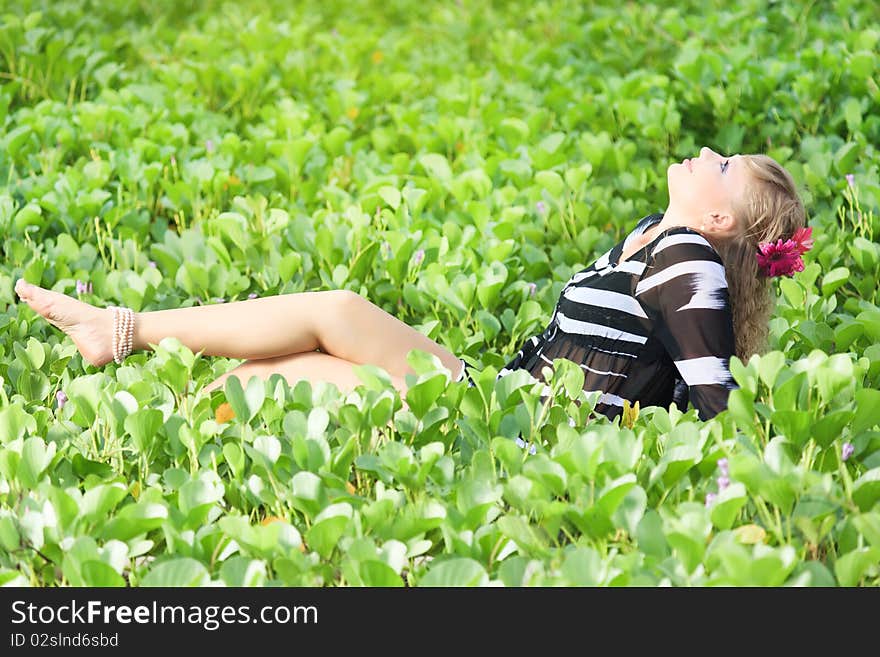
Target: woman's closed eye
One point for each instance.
(724, 165)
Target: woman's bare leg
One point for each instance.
(340, 323)
(312, 365)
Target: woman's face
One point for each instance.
(705, 188)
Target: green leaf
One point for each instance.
(100, 500)
(377, 573)
(867, 410)
(866, 490)
(15, 422)
(727, 505)
(455, 572)
(391, 196)
(35, 458)
(436, 166)
(852, 566)
(98, 573)
(182, 571)
(329, 527)
(144, 425)
(245, 403)
(583, 567)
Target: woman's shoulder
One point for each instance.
(682, 243)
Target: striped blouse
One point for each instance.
(656, 328)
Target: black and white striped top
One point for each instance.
(655, 328)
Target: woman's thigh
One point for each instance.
(311, 365)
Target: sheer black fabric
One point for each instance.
(656, 328)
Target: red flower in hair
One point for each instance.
(784, 258)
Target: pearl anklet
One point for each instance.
(123, 333)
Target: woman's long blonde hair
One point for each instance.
(769, 209)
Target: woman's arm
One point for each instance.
(685, 285)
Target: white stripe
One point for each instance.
(616, 353)
(608, 398)
(605, 299)
(680, 238)
(633, 267)
(707, 370)
(602, 262)
(709, 276)
(604, 398)
(580, 276)
(586, 367)
(568, 325)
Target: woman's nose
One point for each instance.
(706, 150)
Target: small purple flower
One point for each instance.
(541, 207)
(532, 288)
(152, 264)
(710, 499)
(522, 444)
(220, 300)
(850, 180)
(847, 451)
(723, 465)
(723, 482)
(83, 287)
(61, 398)
(252, 295)
(173, 161)
(419, 257)
(209, 146)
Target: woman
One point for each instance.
(680, 295)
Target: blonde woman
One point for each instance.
(655, 319)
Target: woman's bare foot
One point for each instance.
(90, 328)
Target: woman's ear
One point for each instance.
(718, 223)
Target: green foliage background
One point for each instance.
(277, 147)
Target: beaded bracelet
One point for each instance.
(123, 333)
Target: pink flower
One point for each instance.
(710, 498)
(252, 295)
(532, 288)
(850, 180)
(784, 258)
(61, 398)
(847, 451)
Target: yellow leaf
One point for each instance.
(224, 413)
(630, 414)
(351, 489)
(268, 520)
(750, 534)
(136, 489)
(352, 112)
(377, 56)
